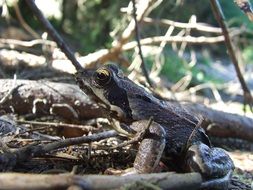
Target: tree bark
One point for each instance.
(222, 124)
(45, 98)
(63, 181)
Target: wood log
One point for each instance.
(169, 181)
(45, 98)
(222, 124)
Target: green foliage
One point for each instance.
(175, 68)
(248, 55)
(95, 20)
(202, 9)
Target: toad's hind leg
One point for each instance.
(150, 149)
(214, 164)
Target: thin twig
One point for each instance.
(137, 35)
(157, 66)
(77, 140)
(23, 22)
(175, 39)
(12, 157)
(143, 9)
(217, 11)
(138, 137)
(192, 21)
(53, 33)
(14, 42)
(85, 128)
(197, 26)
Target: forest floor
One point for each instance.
(95, 158)
(99, 161)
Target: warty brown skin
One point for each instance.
(174, 133)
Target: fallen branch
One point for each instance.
(13, 58)
(170, 181)
(9, 159)
(39, 98)
(105, 55)
(222, 124)
(100, 56)
(198, 26)
(143, 7)
(31, 43)
(85, 128)
(175, 39)
(43, 98)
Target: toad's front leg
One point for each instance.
(151, 147)
(214, 164)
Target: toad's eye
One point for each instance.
(102, 77)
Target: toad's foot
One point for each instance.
(150, 149)
(218, 183)
(214, 164)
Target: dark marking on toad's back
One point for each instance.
(118, 99)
